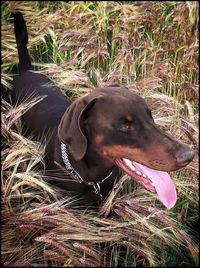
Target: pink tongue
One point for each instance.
(163, 184)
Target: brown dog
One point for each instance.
(96, 134)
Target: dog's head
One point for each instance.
(119, 126)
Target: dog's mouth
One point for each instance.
(153, 180)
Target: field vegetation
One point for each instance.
(152, 48)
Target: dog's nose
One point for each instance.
(184, 156)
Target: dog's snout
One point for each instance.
(184, 156)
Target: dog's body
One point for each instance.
(97, 130)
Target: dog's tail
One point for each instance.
(21, 36)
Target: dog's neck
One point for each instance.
(92, 168)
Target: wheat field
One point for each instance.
(152, 48)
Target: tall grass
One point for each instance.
(150, 47)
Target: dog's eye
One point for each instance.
(125, 127)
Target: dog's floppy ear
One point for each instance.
(70, 130)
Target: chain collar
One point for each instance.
(76, 175)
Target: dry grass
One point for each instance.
(151, 47)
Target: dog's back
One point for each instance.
(45, 115)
